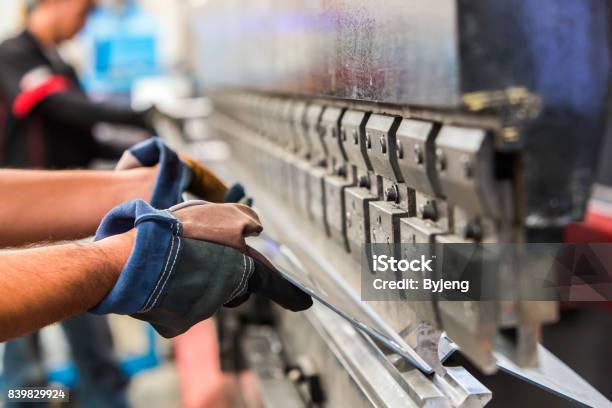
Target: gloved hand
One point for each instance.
(189, 261)
(176, 175)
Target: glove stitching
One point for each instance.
(244, 265)
(178, 250)
(245, 283)
(149, 303)
(238, 288)
(167, 279)
(146, 307)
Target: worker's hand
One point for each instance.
(189, 261)
(176, 175)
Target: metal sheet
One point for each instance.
(328, 291)
(555, 376)
(551, 375)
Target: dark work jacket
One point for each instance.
(46, 119)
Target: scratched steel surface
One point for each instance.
(437, 54)
(349, 49)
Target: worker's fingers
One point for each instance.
(241, 206)
(226, 224)
(268, 282)
(245, 209)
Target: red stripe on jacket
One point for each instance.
(28, 99)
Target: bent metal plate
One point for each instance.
(329, 291)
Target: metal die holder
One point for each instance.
(261, 159)
(464, 164)
(417, 231)
(384, 224)
(297, 192)
(338, 180)
(416, 156)
(300, 169)
(300, 178)
(424, 333)
(277, 123)
(317, 170)
(433, 210)
(264, 119)
(358, 198)
(381, 146)
(317, 199)
(312, 119)
(275, 171)
(335, 204)
(285, 139)
(472, 325)
(352, 138)
(353, 141)
(381, 151)
(357, 204)
(330, 134)
(289, 180)
(286, 114)
(274, 166)
(302, 141)
(385, 229)
(269, 120)
(283, 173)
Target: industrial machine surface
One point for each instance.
(410, 123)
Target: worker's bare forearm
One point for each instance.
(61, 205)
(39, 286)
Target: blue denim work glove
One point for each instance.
(189, 261)
(236, 194)
(177, 174)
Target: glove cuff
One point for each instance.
(152, 261)
(173, 177)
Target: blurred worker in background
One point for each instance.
(46, 121)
